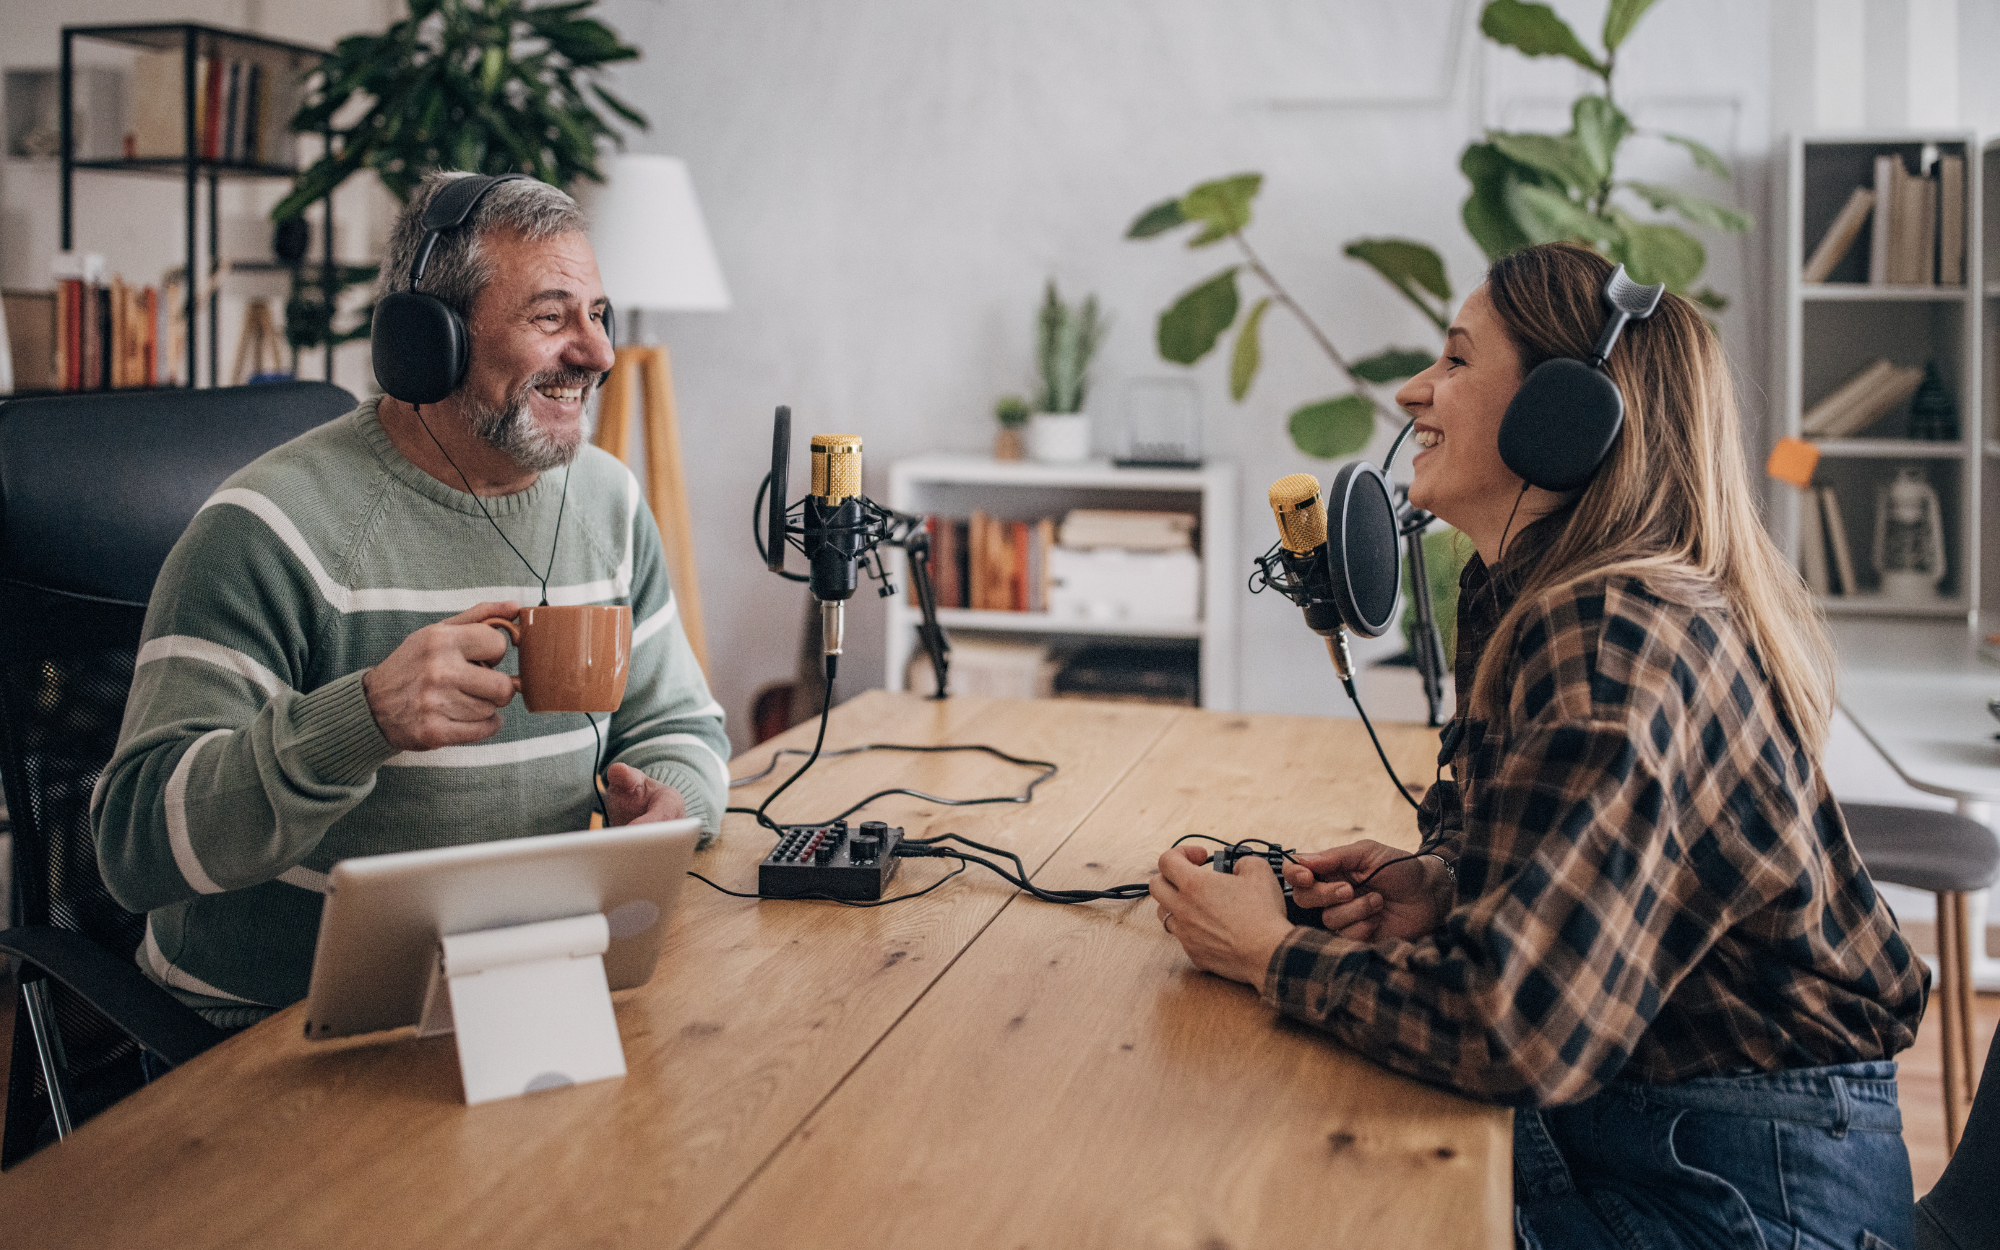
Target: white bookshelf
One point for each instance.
(956, 486)
(1828, 331)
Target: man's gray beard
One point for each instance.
(514, 433)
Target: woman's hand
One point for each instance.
(1228, 925)
(1406, 900)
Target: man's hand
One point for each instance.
(1228, 925)
(1406, 900)
(436, 689)
(633, 798)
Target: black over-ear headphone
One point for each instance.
(419, 343)
(1562, 422)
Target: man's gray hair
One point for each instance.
(459, 269)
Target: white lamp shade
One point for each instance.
(651, 243)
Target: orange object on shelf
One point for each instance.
(1793, 460)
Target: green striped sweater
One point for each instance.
(249, 762)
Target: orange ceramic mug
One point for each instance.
(573, 659)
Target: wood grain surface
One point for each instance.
(968, 1068)
(1075, 1082)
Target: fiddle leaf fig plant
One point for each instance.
(1328, 428)
(491, 86)
(1538, 188)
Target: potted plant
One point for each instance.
(1066, 339)
(490, 86)
(1012, 412)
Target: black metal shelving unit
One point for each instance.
(193, 41)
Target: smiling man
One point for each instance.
(314, 681)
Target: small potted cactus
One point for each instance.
(1012, 412)
(1066, 339)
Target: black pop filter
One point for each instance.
(1362, 552)
(774, 516)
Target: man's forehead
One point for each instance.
(554, 267)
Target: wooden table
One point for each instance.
(972, 1068)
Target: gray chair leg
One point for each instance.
(49, 1049)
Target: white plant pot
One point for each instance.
(1059, 437)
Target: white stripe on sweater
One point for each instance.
(488, 754)
(156, 960)
(347, 599)
(304, 878)
(184, 647)
(177, 822)
(721, 768)
(655, 623)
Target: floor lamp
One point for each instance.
(653, 250)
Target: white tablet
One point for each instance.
(378, 935)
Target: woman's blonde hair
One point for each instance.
(1672, 501)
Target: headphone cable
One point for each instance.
(561, 504)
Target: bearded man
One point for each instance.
(314, 681)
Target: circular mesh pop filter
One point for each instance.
(1361, 549)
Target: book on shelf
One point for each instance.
(1812, 544)
(1951, 221)
(1871, 394)
(990, 564)
(157, 127)
(1087, 528)
(1836, 541)
(107, 331)
(1839, 238)
(31, 338)
(1887, 167)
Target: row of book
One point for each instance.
(1862, 400)
(1825, 559)
(1918, 234)
(992, 565)
(242, 109)
(94, 332)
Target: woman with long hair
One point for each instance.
(1637, 915)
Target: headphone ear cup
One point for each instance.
(1561, 424)
(419, 347)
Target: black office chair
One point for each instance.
(1959, 1213)
(1951, 856)
(94, 490)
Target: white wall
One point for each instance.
(889, 182)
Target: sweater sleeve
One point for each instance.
(228, 769)
(669, 727)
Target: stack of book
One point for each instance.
(106, 333)
(1861, 401)
(1918, 237)
(242, 109)
(990, 564)
(1825, 559)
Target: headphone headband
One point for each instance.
(449, 209)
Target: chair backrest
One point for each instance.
(1960, 1213)
(94, 491)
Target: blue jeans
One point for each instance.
(1811, 1158)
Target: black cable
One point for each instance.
(1019, 877)
(1387, 767)
(825, 708)
(597, 767)
(844, 902)
(563, 502)
(1293, 857)
(1048, 768)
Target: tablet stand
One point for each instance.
(529, 1004)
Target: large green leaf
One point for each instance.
(1692, 208)
(1393, 364)
(1704, 156)
(1189, 329)
(1158, 219)
(1249, 353)
(1653, 252)
(1333, 428)
(1558, 155)
(1222, 207)
(1547, 216)
(1487, 218)
(1536, 30)
(1619, 20)
(1599, 126)
(1411, 268)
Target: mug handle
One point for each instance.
(513, 632)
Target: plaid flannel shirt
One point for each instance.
(1654, 882)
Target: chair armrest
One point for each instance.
(154, 1018)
